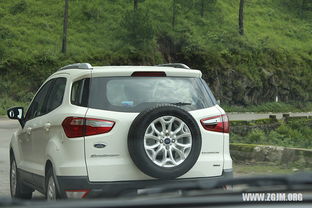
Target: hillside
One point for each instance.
(274, 57)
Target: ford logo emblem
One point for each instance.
(99, 145)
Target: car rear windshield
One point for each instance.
(134, 94)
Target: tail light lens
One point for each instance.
(79, 127)
(216, 123)
(148, 74)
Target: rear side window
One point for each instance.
(80, 92)
(134, 94)
(56, 94)
(212, 97)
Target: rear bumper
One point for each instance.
(113, 189)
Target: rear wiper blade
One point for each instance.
(181, 103)
(291, 182)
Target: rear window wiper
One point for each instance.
(181, 103)
(289, 182)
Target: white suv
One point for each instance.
(99, 131)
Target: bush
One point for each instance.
(19, 7)
(269, 59)
(295, 133)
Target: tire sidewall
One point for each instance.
(13, 195)
(21, 191)
(50, 174)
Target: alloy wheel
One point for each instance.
(167, 141)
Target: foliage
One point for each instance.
(7, 103)
(274, 57)
(137, 33)
(294, 133)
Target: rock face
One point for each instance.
(274, 154)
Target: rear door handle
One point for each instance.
(47, 126)
(28, 130)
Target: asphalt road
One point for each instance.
(256, 116)
(7, 127)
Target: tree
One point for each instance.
(65, 26)
(138, 30)
(241, 17)
(174, 11)
(202, 7)
(304, 6)
(135, 4)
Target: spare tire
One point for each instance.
(164, 141)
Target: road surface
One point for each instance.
(7, 127)
(256, 116)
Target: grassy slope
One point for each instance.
(31, 33)
(94, 25)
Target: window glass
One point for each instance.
(56, 95)
(209, 91)
(79, 92)
(35, 109)
(134, 94)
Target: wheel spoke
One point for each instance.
(155, 153)
(51, 189)
(183, 135)
(155, 130)
(180, 153)
(179, 128)
(165, 159)
(152, 147)
(163, 124)
(170, 122)
(184, 146)
(150, 136)
(171, 157)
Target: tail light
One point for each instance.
(216, 123)
(148, 74)
(79, 127)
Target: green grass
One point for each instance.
(273, 57)
(293, 133)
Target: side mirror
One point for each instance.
(16, 113)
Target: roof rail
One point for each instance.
(175, 65)
(77, 66)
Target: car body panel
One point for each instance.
(128, 70)
(113, 162)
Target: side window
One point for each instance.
(56, 95)
(212, 97)
(35, 108)
(80, 92)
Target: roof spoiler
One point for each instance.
(77, 66)
(175, 65)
